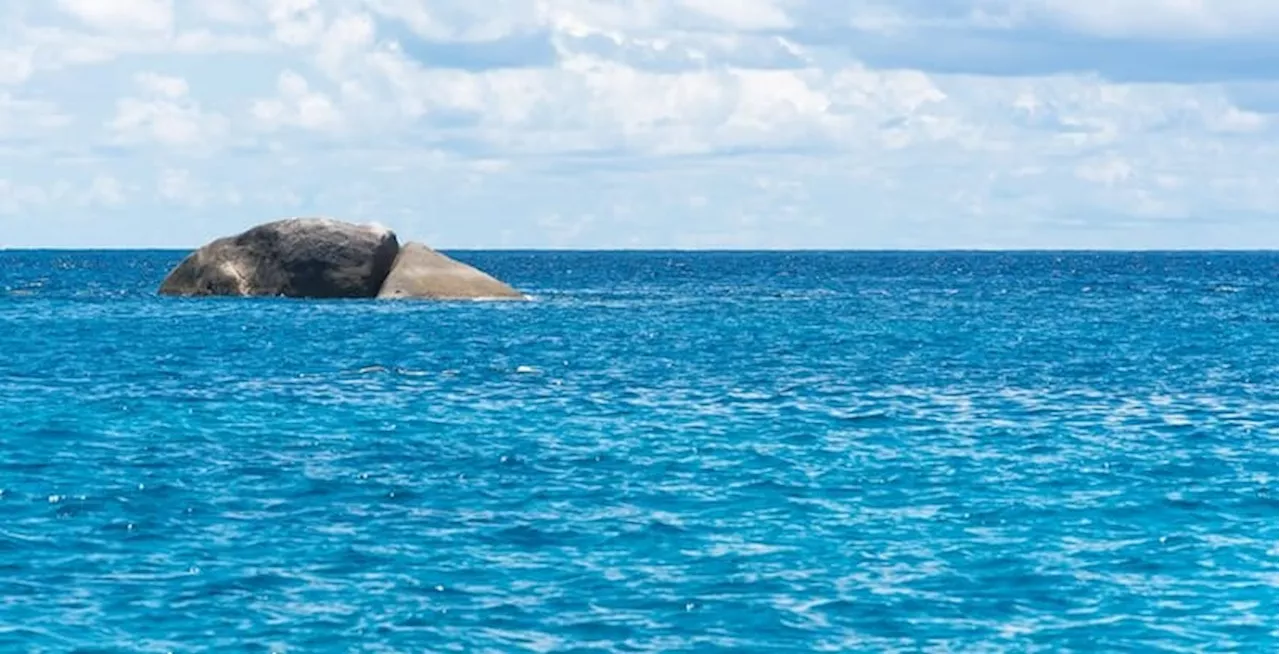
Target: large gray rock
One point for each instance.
(422, 273)
(296, 257)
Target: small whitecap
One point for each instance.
(526, 369)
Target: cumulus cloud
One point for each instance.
(296, 105)
(163, 113)
(122, 15)
(650, 123)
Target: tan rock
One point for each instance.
(422, 273)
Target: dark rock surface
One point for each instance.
(296, 257)
(327, 258)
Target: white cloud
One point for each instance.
(1232, 119)
(743, 14)
(162, 86)
(296, 22)
(633, 123)
(22, 198)
(67, 47)
(466, 21)
(589, 102)
(179, 186)
(479, 22)
(296, 105)
(122, 15)
(24, 118)
(1108, 171)
(166, 115)
(346, 35)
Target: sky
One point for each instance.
(655, 124)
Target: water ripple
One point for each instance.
(748, 452)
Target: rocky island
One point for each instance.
(328, 258)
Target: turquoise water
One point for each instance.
(664, 452)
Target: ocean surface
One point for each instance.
(663, 452)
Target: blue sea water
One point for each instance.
(664, 452)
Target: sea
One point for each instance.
(660, 452)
